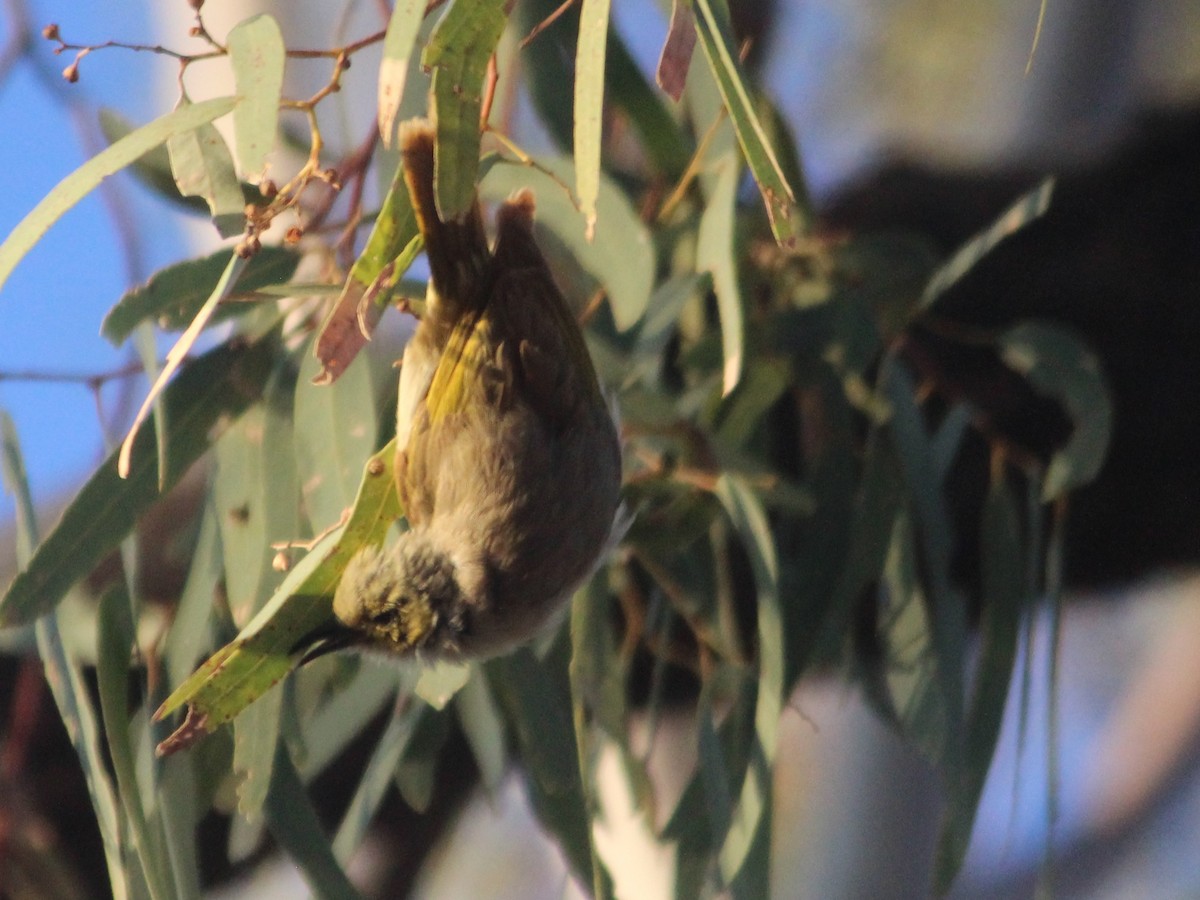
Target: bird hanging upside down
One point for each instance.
(508, 464)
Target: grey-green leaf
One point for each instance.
(208, 393)
(174, 295)
(257, 53)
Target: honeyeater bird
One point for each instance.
(508, 465)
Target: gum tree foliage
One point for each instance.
(785, 458)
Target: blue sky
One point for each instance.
(51, 308)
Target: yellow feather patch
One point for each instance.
(468, 351)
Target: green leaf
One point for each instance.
(457, 54)
(752, 811)
(716, 253)
(620, 235)
(440, 681)
(392, 246)
(174, 295)
(1028, 208)
(716, 37)
(294, 823)
(1004, 603)
(1059, 365)
(256, 737)
(153, 169)
(403, 26)
(63, 673)
(115, 641)
(266, 649)
(208, 394)
(203, 167)
(933, 529)
(536, 699)
(589, 106)
(377, 777)
(256, 53)
(417, 772)
(87, 177)
(191, 630)
(484, 728)
(335, 430)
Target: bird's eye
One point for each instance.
(380, 618)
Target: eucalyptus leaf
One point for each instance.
(173, 295)
(589, 106)
(209, 393)
(267, 648)
(256, 53)
(457, 54)
(202, 166)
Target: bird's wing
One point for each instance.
(547, 349)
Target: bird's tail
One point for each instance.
(457, 249)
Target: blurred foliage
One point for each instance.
(787, 449)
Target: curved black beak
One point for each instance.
(325, 639)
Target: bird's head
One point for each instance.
(403, 600)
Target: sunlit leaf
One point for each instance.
(266, 650)
(403, 26)
(589, 106)
(256, 53)
(716, 38)
(393, 244)
(457, 54)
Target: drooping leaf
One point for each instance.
(589, 106)
(175, 357)
(114, 645)
(377, 777)
(152, 169)
(716, 253)
(335, 430)
(1060, 366)
(256, 53)
(63, 673)
(87, 177)
(457, 54)
(202, 166)
(393, 244)
(1004, 604)
(1026, 209)
(174, 295)
(294, 823)
(210, 392)
(403, 26)
(676, 55)
(752, 812)
(716, 38)
(266, 649)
